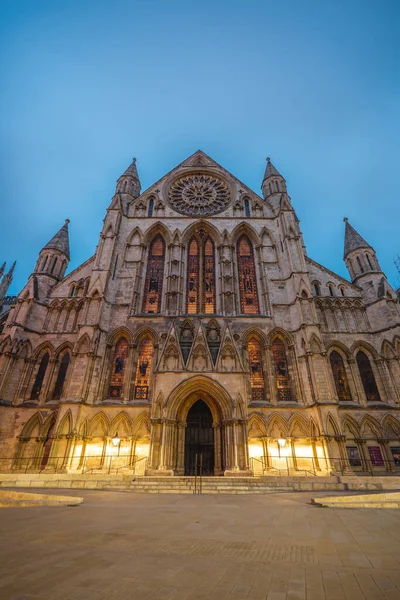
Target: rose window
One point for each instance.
(199, 194)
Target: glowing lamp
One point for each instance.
(116, 440)
(282, 442)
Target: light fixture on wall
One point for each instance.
(116, 440)
(281, 444)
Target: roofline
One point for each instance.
(317, 264)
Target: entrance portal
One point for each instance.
(199, 439)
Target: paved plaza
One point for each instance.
(123, 546)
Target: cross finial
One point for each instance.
(345, 219)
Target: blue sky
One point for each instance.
(87, 85)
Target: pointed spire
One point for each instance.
(270, 170)
(60, 241)
(129, 181)
(3, 266)
(352, 239)
(6, 281)
(11, 271)
(131, 170)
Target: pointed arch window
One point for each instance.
(201, 275)
(257, 383)
(367, 377)
(118, 368)
(369, 261)
(359, 264)
(151, 207)
(317, 289)
(154, 276)
(282, 377)
(62, 373)
(249, 304)
(37, 386)
(193, 278)
(143, 369)
(340, 377)
(54, 265)
(247, 208)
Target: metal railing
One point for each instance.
(312, 467)
(61, 464)
(260, 466)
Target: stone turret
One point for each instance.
(129, 182)
(273, 184)
(363, 266)
(54, 256)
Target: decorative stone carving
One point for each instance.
(199, 194)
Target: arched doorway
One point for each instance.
(199, 439)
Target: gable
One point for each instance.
(215, 186)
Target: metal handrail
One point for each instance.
(336, 465)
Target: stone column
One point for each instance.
(315, 454)
(341, 443)
(180, 449)
(364, 458)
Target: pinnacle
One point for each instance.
(352, 239)
(60, 241)
(131, 171)
(270, 170)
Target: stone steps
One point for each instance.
(209, 485)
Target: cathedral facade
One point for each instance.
(200, 332)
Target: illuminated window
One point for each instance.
(37, 386)
(154, 276)
(256, 370)
(62, 373)
(247, 277)
(118, 369)
(367, 377)
(201, 275)
(193, 278)
(208, 278)
(143, 369)
(340, 377)
(282, 376)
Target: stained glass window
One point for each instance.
(247, 277)
(340, 377)
(37, 386)
(256, 370)
(209, 279)
(154, 276)
(193, 278)
(118, 369)
(62, 372)
(367, 377)
(201, 289)
(143, 369)
(283, 384)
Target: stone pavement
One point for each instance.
(122, 546)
